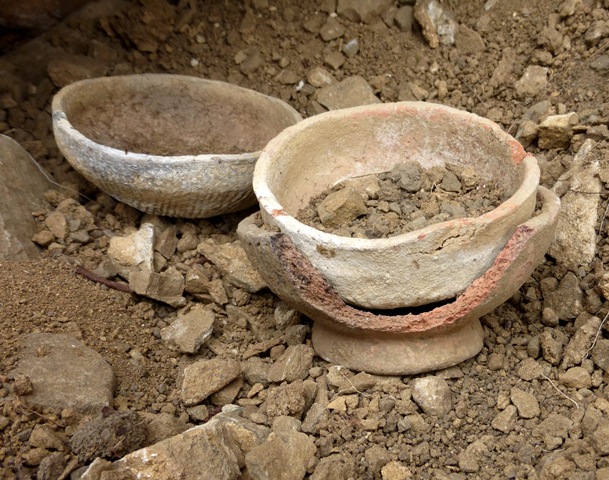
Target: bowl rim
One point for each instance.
(289, 224)
(61, 121)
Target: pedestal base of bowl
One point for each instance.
(398, 344)
(398, 354)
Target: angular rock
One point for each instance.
(396, 471)
(468, 41)
(109, 435)
(231, 259)
(532, 82)
(366, 11)
(351, 92)
(433, 395)
(600, 354)
(335, 467)
(165, 287)
(578, 347)
(22, 187)
(133, 252)
(215, 448)
(506, 419)
(189, 330)
(551, 348)
(319, 77)
(160, 426)
(404, 18)
(205, 377)
(339, 207)
(268, 460)
(576, 377)
(575, 239)
(65, 373)
(601, 438)
(556, 130)
(469, 459)
(294, 364)
(555, 425)
(331, 30)
(166, 242)
(286, 399)
(436, 21)
(567, 300)
(526, 403)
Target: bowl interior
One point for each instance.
(324, 150)
(173, 115)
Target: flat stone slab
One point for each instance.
(22, 186)
(65, 373)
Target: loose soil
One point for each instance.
(271, 47)
(400, 201)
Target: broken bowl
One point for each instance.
(168, 144)
(432, 264)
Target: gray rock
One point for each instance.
(285, 316)
(133, 252)
(532, 82)
(189, 330)
(433, 395)
(526, 403)
(351, 48)
(576, 377)
(231, 259)
(22, 187)
(205, 377)
(256, 370)
(268, 460)
(166, 287)
(575, 239)
(556, 130)
(436, 21)
(294, 364)
(351, 92)
(65, 374)
(366, 11)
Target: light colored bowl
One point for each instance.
(398, 343)
(168, 144)
(424, 266)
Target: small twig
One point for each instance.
(104, 281)
(559, 391)
(598, 332)
(50, 180)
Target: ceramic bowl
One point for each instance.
(168, 144)
(398, 342)
(433, 264)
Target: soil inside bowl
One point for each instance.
(405, 199)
